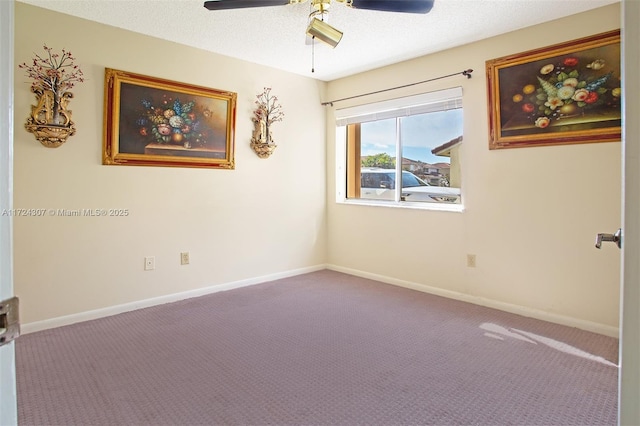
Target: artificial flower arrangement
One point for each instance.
(267, 112)
(54, 71)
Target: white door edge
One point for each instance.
(8, 398)
(629, 374)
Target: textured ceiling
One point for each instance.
(275, 36)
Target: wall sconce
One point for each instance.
(53, 74)
(324, 32)
(267, 112)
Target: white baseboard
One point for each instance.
(131, 306)
(503, 306)
(507, 307)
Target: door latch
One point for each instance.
(9, 320)
(615, 238)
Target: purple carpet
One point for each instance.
(323, 348)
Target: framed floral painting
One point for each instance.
(562, 94)
(149, 121)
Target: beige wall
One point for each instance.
(266, 217)
(455, 178)
(531, 214)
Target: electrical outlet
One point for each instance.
(471, 260)
(184, 258)
(149, 263)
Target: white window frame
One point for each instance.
(399, 107)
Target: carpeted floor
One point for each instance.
(323, 348)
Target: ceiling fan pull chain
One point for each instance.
(313, 53)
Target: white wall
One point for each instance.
(531, 214)
(266, 217)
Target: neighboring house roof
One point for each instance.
(420, 164)
(406, 161)
(444, 150)
(442, 165)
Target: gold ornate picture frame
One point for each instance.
(568, 93)
(150, 121)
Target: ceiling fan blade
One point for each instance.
(407, 6)
(241, 4)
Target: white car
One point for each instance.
(380, 184)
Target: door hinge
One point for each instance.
(9, 320)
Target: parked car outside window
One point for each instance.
(380, 184)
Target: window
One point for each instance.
(423, 131)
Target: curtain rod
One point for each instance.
(466, 73)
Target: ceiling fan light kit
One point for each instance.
(324, 32)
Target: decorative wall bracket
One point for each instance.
(50, 120)
(261, 141)
(264, 150)
(268, 111)
(52, 74)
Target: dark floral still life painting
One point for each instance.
(150, 121)
(571, 94)
(155, 117)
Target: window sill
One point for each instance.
(459, 208)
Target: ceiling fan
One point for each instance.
(318, 28)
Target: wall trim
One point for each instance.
(489, 303)
(160, 300)
(503, 306)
